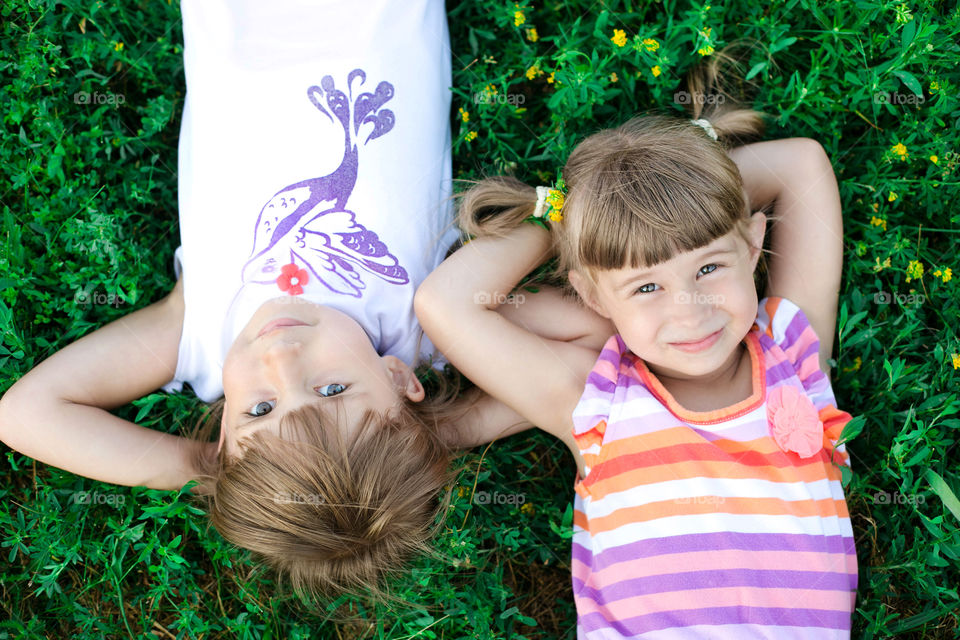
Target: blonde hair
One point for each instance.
(337, 515)
(641, 193)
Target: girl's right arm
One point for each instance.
(58, 412)
(539, 378)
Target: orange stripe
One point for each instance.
(771, 309)
(684, 435)
(601, 484)
(826, 508)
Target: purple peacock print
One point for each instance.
(306, 226)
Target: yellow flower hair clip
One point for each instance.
(550, 201)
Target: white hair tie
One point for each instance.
(706, 126)
(542, 193)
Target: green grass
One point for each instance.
(88, 199)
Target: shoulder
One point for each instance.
(785, 324)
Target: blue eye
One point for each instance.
(264, 407)
(644, 289)
(256, 413)
(708, 266)
(338, 389)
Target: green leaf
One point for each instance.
(942, 489)
(909, 81)
(757, 68)
(852, 429)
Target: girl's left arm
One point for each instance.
(806, 240)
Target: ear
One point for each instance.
(755, 231)
(587, 292)
(405, 378)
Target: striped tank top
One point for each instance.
(699, 524)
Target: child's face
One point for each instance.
(685, 317)
(273, 370)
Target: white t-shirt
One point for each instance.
(314, 153)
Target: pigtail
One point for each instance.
(495, 206)
(710, 100)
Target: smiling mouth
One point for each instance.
(282, 323)
(698, 345)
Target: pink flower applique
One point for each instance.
(292, 278)
(794, 422)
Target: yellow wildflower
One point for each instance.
(705, 51)
(876, 206)
(914, 270)
(518, 18)
(956, 361)
(464, 115)
(878, 222)
(705, 32)
(900, 149)
(613, 77)
(527, 508)
(893, 196)
(857, 362)
(471, 136)
(881, 267)
(118, 46)
(619, 37)
(461, 491)
(550, 77)
(934, 85)
(934, 159)
(532, 34)
(650, 44)
(947, 274)
(655, 71)
(556, 199)
(533, 72)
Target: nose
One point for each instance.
(282, 356)
(690, 308)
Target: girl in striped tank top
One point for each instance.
(708, 501)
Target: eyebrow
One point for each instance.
(647, 274)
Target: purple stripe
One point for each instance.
(783, 370)
(692, 542)
(714, 616)
(707, 579)
(795, 327)
(602, 384)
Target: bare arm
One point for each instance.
(807, 239)
(57, 412)
(540, 379)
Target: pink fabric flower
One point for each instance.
(794, 422)
(292, 278)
